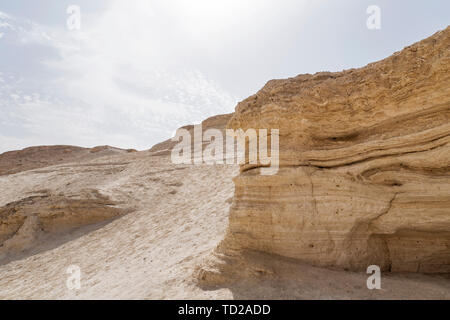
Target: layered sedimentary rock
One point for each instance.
(364, 172)
(22, 222)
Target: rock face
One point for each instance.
(364, 166)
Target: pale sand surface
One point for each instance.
(180, 215)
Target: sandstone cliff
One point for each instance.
(43, 156)
(364, 166)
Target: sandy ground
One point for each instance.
(179, 216)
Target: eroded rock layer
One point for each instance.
(364, 172)
(22, 222)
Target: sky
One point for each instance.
(135, 71)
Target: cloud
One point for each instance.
(122, 80)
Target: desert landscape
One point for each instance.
(363, 179)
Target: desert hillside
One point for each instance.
(363, 179)
(43, 156)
